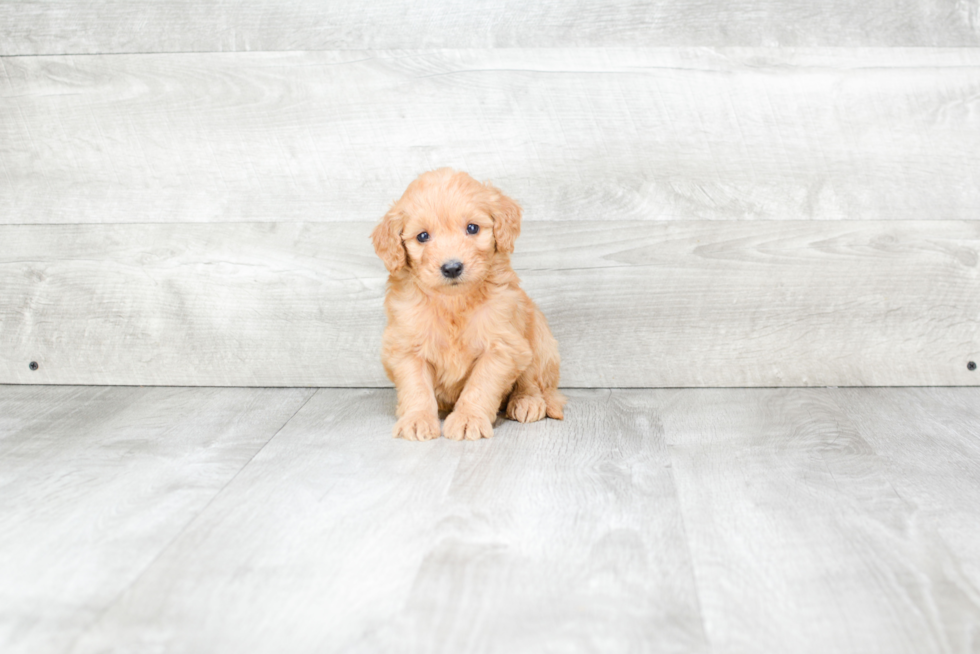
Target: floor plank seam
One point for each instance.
(187, 525)
(687, 546)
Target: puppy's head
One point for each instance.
(446, 229)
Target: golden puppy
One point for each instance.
(462, 336)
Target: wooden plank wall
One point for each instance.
(707, 203)
(625, 134)
(122, 26)
(271, 304)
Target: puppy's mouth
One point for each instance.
(453, 285)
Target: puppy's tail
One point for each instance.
(554, 404)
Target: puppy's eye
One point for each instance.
(472, 229)
(422, 237)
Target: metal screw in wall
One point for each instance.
(33, 365)
(971, 365)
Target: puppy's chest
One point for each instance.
(451, 345)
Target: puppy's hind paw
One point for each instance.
(467, 426)
(417, 427)
(526, 408)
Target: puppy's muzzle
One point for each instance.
(452, 269)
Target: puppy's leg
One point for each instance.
(526, 403)
(493, 375)
(418, 413)
(535, 394)
(554, 403)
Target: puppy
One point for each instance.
(462, 337)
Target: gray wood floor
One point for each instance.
(287, 520)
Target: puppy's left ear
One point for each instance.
(387, 239)
(506, 216)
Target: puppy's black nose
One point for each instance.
(452, 269)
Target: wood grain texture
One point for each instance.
(555, 536)
(723, 520)
(632, 304)
(927, 442)
(573, 134)
(76, 27)
(803, 539)
(96, 482)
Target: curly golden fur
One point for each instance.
(462, 337)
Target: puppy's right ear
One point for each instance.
(387, 239)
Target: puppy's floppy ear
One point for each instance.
(506, 219)
(387, 239)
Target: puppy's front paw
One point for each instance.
(526, 408)
(417, 427)
(461, 425)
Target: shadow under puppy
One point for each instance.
(462, 337)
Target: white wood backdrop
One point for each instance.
(632, 303)
(115, 26)
(721, 215)
(574, 134)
